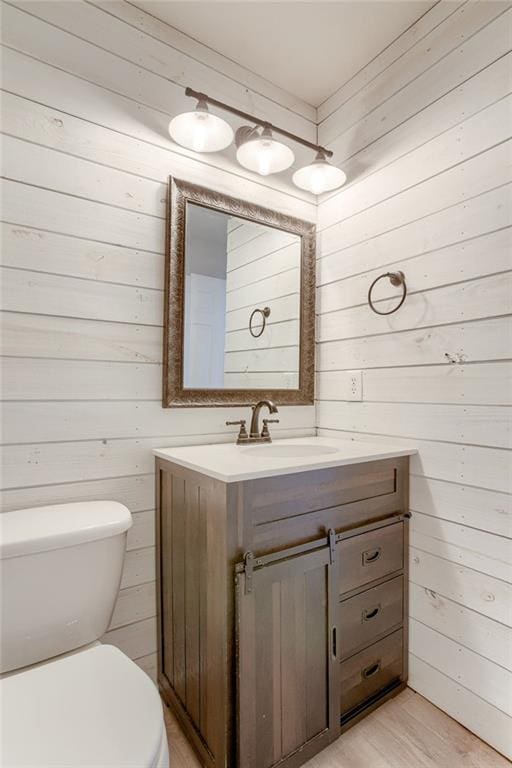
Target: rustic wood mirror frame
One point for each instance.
(174, 394)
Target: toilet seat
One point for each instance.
(92, 709)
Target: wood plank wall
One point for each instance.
(263, 269)
(423, 133)
(89, 88)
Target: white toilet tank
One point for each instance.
(60, 570)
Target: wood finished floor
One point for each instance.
(406, 732)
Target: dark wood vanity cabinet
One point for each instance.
(282, 606)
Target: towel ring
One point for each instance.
(395, 278)
(264, 314)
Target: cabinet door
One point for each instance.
(288, 675)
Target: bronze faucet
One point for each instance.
(254, 435)
(254, 431)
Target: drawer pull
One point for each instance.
(371, 613)
(371, 556)
(371, 670)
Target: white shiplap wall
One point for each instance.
(263, 269)
(89, 88)
(423, 133)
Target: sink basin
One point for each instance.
(288, 451)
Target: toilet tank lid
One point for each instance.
(40, 529)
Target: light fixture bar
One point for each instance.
(256, 120)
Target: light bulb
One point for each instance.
(320, 176)
(317, 180)
(263, 154)
(265, 158)
(200, 130)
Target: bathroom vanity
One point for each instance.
(282, 593)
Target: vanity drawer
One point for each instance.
(371, 670)
(370, 614)
(369, 556)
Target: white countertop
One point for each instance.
(231, 463)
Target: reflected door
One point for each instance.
(205, 315)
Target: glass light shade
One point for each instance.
(264, 155)
(320, 176)
(201, 131)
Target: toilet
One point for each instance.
(66, 699)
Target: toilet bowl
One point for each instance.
(66, 699)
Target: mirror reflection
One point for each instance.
(242, 303)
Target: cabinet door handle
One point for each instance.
(371, 556)
(371, 613)
(371, 670)
(334, 649)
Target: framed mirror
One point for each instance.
(239, 322)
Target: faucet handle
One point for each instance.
(265, 433)
(242, 435)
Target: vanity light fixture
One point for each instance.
(320, 176)
(257, 149)
(200, 130)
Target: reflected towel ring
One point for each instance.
(395, 278)
(264, 314)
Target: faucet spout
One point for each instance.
(254, 431)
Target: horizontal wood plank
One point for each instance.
(136, 491)
(28, 335)
(476, 424)
(479, 384)
(25, 378)
(41, 251)
(58, 421)
(486, 339)
(43, 294)
(478, 591)
(483, 510)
